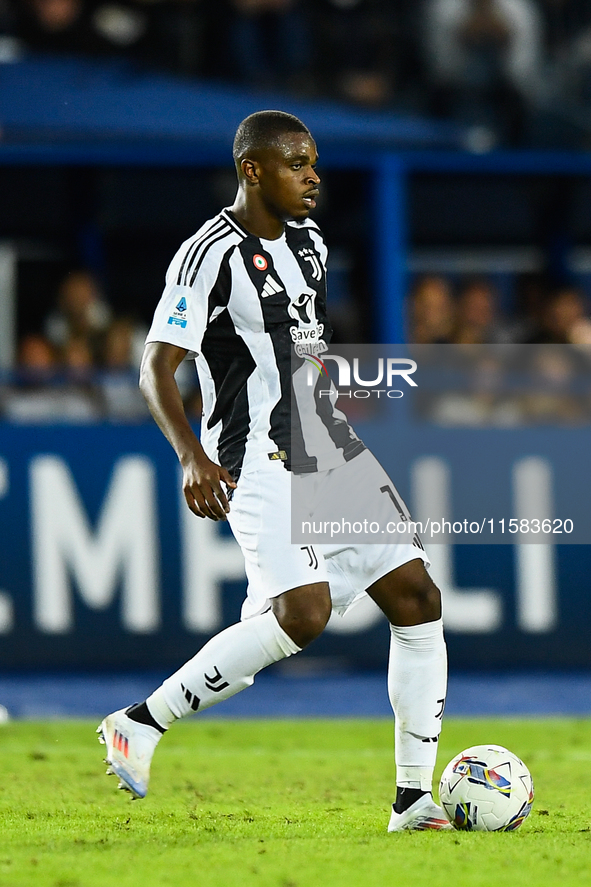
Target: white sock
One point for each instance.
(417, 686)
(224, 666)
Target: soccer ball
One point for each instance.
(486, 789)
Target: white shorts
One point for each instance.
(260, 519)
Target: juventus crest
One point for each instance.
(310, 256)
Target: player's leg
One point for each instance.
(224, 666)
(229, 661)
(417, 685)
(303, 612)
(287, 606)
(393, 573)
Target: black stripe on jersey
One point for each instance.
(231, 218)
(302, 246)
(197, 243)
(195, 266)
(236, 422)
(231, 365)
(338, 429)
(225, 233)
(285, 428)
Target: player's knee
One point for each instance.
(315, 623)
(303, 623)
(423, 596)
(304, 628)
(408, 595)
(309, 627)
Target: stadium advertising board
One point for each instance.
(102, 565)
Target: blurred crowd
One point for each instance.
(82, 365)
(469, 313)
(531, 368)
(506, 68)
(482, 366)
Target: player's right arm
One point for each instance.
(202, 479)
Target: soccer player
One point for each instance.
(237, 294)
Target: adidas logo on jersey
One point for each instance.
(271, 287)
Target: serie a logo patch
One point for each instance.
(260, 262)
(179, 315)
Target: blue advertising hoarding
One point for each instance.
(102, 565)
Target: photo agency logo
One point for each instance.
(362, 378)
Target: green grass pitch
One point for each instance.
(278, 804)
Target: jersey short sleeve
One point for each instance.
(181, 316)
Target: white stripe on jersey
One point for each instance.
(194, 243)
(216, 234)
(318, 241)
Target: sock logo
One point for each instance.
(439, 716)
(312, 555)
(193, 700)
(213, 682)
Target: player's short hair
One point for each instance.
(263, 129)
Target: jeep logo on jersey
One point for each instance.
(260, 262)
(310, 256)
(302, 309)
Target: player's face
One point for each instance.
(287, 179)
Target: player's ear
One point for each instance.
(249, 170)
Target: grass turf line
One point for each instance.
(278, 804)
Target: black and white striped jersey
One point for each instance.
(250, 310)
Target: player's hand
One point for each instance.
(203, 490)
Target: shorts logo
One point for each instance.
(312, 555)
(260, 262)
